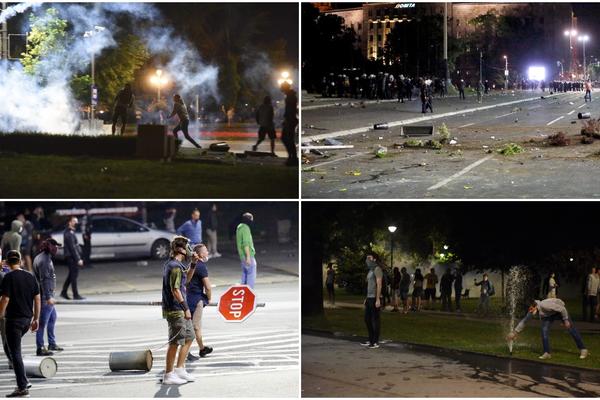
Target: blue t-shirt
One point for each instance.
(195, 289)
(191, 230)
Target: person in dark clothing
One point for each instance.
(487, 290)
(2, 324)
(199, 293)
(396, 288)
(123, 101)
(43, 268)
(289, 123)
(330, 283)
(266, 126)
(458, 287)
(73, 258)
(461, 89)
(20, 307)
(180, 110)
(373, 302)
(446, 290)
(404, 288)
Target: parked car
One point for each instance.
(120, 237)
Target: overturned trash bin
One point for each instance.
(585, 115)
(416, 131)
(37, 367)
(130, 360)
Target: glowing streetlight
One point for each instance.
(583, 39)
(158, 80)
(284, 77)
(392, 229)
(446, 247)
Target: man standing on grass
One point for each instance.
(245, 247)
(487, 290)
(550, 310)
(431, 280)
(592, 285)
(373, 301)
(20, 307)
(177, 312)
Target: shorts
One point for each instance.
(263, 132)
(403, 294)
(181, 330)
(417, 292)
(429, 294)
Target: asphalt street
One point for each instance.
(471, 168)
(329, 369)
(256, 358)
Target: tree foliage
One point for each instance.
(48, 35)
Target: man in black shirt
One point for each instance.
(123, 101)
(20, 306)
(74, 260)
(290, 120)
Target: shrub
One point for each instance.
(591, 128)
(510, 149)
(560, 139)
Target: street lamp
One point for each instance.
(584, 39)
(158, 80)
(505, 73)
(94, 91)
(571, 33)
(392, 229)
(284, 77)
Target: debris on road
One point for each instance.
(413, 143)
(381, 151)
(560, 139)
(444, 133)
(332, 142)
(381, 125)
(510, 149)
(584, 115)
(433, 144)
(591, 128)
(355, 172)
(453, 142)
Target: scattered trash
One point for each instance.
(380, 137)
(381, 151)
(571, 103)
(560, 139)
(573, 122)
(343, 190)
(381, 125)
(398, 146)
(584, 115)
(453, 142)
(493, 137)
(413, 143)
(310, 180)
(486, 147)
(423, 164)
(510, 149)
(315, 149)
(516, 119)
(355, 172)
(467, 187)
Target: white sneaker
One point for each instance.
(182, 373)
(545, 356)
(584, 353)
(172, 378)
(217, 255)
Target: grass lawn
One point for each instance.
(482, 336)
(31, 176)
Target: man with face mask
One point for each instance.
(43, 268)
(550, 310)
(373, 301)
(177, 312)
(73, 258)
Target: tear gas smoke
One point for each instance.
(14, 10)
(43, 102)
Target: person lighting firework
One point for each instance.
(550, 310)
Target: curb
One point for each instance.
(444, 350)
(427, 118)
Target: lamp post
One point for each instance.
(505, 73)
(94, 92)
(392, 229)
(583, 39)
(284, 77)
(158, 80)
(570, 33)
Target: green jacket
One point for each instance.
(243, 238)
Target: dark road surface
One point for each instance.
(329, 369)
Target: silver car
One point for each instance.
(120, 237)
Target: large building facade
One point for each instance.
(373, 22)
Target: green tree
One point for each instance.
(48, 35)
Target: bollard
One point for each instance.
(38, 367)
(585, 115)
(130, 360)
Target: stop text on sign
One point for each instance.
(237, 303)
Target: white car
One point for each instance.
(120, 237)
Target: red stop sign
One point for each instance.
(237, 303)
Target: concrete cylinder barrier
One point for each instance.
(40, 367)
(131, 360)
(584, 115)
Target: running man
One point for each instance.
(180, 110)
(123, 101)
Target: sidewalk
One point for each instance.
(275, 265)
(580, 325)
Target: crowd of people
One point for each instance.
(28, 297)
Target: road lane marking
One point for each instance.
(417, 119)
(583, 105)
(504, 115)
(571, 112)
(554, 120)
(334, 161)
(460, 173)
(464, 126)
